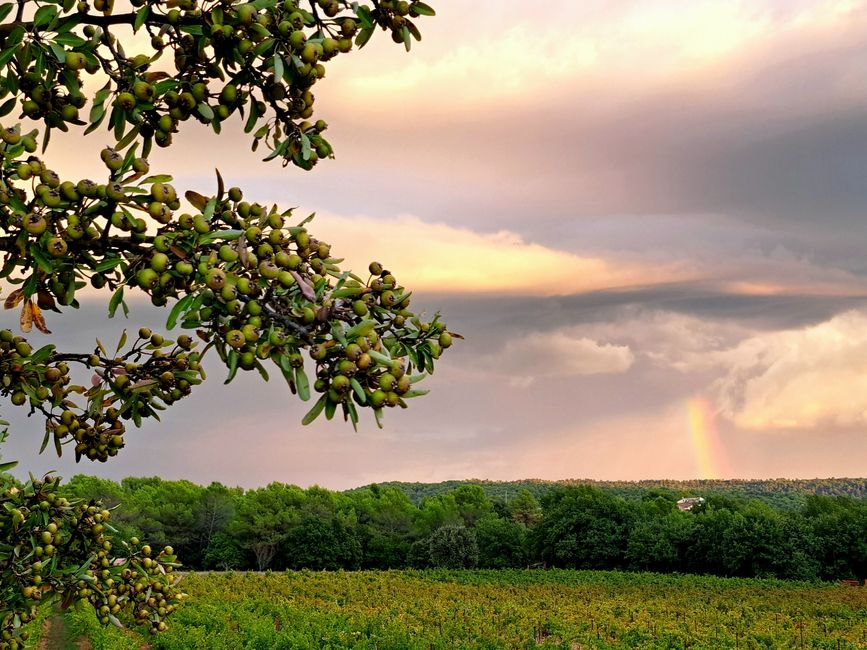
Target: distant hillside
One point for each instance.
(782, 493)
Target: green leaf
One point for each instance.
(158, 178)
(407, 38)
(5, 9)
(363, 36)
(121, 342)
(165, 85)
(422, 9)
(337, 333)
(278, 67)
(108, 264)
(358, 328)
(330, 408)
(97, 115)
(7, 55)
(313, 413)
(346, 292)
(413, 30)
(356, 386)
(211, 205)
(302, 383)
(380, 358)
(44, 15)
(349, 407)
(179, 308)
(45, 139)
(42, 261)
(140, 17)
(70, 40)
(364, 15)
(278, 151)
(116, 300)
(223, 235)
(128, 138)
(58, 51)
(7, 107)
(252, 118)
(206, 111)
(41, 354)
(262, 371)
(45, 440)
(5, 467)
(415, 393)
(264, 46)
(232, 362)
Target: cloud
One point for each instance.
(810, 378)
(440, 257)
(538, 356)
(474, 59)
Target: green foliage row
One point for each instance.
(508, 609)
(282, 526)
(780, 493)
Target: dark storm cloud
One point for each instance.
(779, 139)
(479, 316)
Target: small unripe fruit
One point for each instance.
(143, 91)
(159, 262)
(35, 224)
(57, 247)
(215, 279)
(387, 382)
(377, 399)
(236, 339)
(311, 53)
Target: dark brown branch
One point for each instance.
(125, 244)
(99, 21)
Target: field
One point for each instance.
(499, 609)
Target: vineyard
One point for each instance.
(498, 609)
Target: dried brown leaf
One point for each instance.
(306, 289)
(197, 200)
(26, 318)
(45, 300)
(39, 319)
(14, 299)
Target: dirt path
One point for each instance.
(57, 636)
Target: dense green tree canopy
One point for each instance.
(282, 526)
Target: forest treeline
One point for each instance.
(781, 493)
(283, 526)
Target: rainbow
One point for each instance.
(710, 455)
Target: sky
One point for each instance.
(647, 218)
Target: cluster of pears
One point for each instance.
(38, 521)
(264, 289)
(47, 98)
(61, 223)
(232, 58)
(258, 286)
(154, 373)
(356, 367)
(26, 380)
